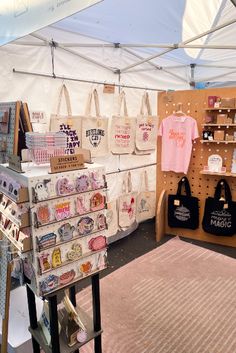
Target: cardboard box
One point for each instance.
(229, 137)
(221, 118)
(227, 102)
(219, 135)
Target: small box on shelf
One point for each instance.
(221, 119)
(219, 135)
(227, 102)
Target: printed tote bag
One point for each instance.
(146, 200)
(122, 131)
(94, 129)
(69, 124)
(127, 204)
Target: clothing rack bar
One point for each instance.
(128, 169)
(85, 81)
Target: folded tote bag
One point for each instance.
(183, 210)
(146, 128)
(122, 130)
(146, 200)
(220, 212)
(69, 124)
(95, 129)
(127, 204)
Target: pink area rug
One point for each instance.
(178, 298)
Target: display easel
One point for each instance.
(195, 104)
(12, 140)
(58, 345)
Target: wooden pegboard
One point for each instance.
(194, 104)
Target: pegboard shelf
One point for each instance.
(219, 109)
(227, 174)
(215, 141)
(219, 125)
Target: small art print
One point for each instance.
(62, 211)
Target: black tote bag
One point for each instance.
(220, 215)
(183, 210)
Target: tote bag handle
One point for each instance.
(145, 104)
(127, 184)
(122, 99)
(92, 95)
(184, 182)
(64, 92)
(222, 184)
(144, 181)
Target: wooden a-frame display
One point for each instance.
(195, 104)
(12, 139)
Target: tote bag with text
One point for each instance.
(122, 131)
(95, 129)
(69, 124)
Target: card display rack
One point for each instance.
(67, 234)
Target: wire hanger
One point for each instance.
(179, 111)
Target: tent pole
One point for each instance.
(86, 81)
(176, 46)
(127, 169)
(155, 65)
(218, 76)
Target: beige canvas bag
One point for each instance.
(146, 128)
(122, 131)
(146, 200)
(112, 218)
(69, 124)
(95, 129)
(127, 204)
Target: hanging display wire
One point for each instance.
(120, 85)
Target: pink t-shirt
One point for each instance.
(177, 136)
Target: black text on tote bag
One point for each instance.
(95, 129)
(146, 128)
(183, 210)
(122, 130)
(220, 212)
(69, 124)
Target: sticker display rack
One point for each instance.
(67, 231)
(195, 104)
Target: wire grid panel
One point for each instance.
(4, 248)
(195, 103)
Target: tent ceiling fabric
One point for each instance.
(151, 22)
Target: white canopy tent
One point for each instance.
(156, 44)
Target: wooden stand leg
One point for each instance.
(72, 293)
(54, 324)
(5, 321)
(96, 312)
(32, 317)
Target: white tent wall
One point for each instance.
(41, 93)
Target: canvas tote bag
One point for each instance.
(127, 204)
(146, 200)
(146, 128)
(122, 131)
(183, 210)
(69, 124)
(220, 212)
(94, 129)
(112, 218)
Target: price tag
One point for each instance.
(176, 202)
(226, 206)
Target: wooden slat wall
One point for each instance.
(193, 103)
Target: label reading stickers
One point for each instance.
(66, 163)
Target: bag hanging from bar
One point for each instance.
(146, 200)
(127, 204)
(95, 129)
(111, 218)
(122, 131)
(69, 124)
(146, 128)
(220, 212)
(183, 210)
